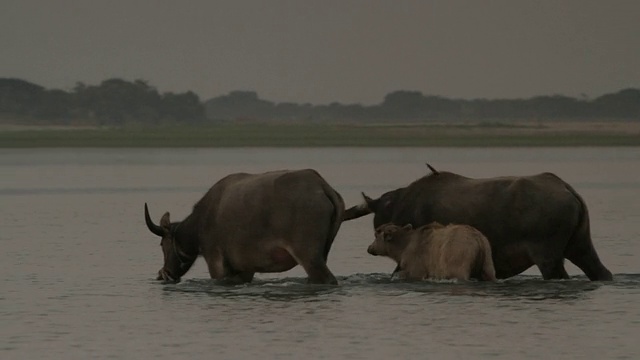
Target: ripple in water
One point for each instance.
(519, 287)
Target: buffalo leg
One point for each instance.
(549, 260)
(582, 253)
(552, 269)
(310, 254)
(220, 270)
(241, 277)
(319, 273)
(593, 268)
(316, 268)
(586, 258)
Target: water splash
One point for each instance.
(519, 287)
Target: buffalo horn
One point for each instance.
(152, 227)
(357, 211)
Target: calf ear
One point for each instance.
(165, 222)
(407, 227)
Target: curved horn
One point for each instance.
(152, 227)
(357, 211)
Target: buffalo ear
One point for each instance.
(165, 222)
(407, 227)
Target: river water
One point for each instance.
(78, 264)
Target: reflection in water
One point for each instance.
(280, 290)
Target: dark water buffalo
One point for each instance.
(530, 220)
(435, 251)
(248, 223)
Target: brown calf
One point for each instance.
(435, 251)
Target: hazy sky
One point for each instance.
(325, 51)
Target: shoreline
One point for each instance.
(494, 134)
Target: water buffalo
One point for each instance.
(435, 251)
(248, 223)
(529, 220)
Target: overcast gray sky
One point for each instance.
(325, 51)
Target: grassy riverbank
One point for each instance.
(295, 135)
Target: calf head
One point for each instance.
(387, 239)
(176, 261)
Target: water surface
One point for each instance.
(78, 264)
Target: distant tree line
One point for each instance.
(413, 106)
(116, 102)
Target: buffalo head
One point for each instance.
(176, 261)
(382, 208)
